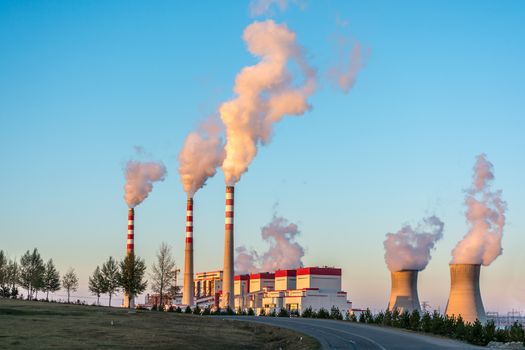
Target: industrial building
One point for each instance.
(293, 290)
(403, 294)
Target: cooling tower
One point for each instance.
(129, 301)
(227, 284)
(465, 298)
(403, 295)
(187, 295)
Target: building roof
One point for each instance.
(324, 271)
(262, 275)
(285, 273)
(242, 277)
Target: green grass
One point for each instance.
(31, 325)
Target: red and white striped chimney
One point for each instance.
(131, 229)
(187, 295)
(227, 283)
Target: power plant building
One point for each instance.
(293, 290)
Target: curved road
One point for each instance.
(348, 335)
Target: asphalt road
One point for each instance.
(347, 335)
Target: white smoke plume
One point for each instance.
(266, 92)
(410, 248)
(485, 216)
(202, 153)
(283, 252)
(344, 74)
(140, 177)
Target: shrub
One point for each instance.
(415, 320)
(489, 331)
(262, 312)
(196, 310)
(362, 317)
(426, 322)
(323, 313)
(272, 313)
(187, 310)
(460, 331)
(178, 310)
(437, 323)
(475, 335)
(387, 318)
(283, 313)
(207, 310)
(516, 332)
(229, 311)
(307, 312)
(380, 318)
(369, 318)
(251, 312)
(351, 317)
(154, 307)
(335, 313)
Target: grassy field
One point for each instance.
(37, 325)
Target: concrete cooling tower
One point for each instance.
(403, 295)
(465, 298)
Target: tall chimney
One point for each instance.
(465, 298)
(227, 284)
(131, 231)
(403, 295)
(187, 295)
(129, 300)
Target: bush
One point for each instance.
(369, 318)
(251, 312)
(426, 322)
(283, 313)
(415, 320)
(323, 313)
(460, 331)
(475, 334)
(262, 312)
(489, 331)
(170, 308)
(307, 312)
(437, 323)
(178, 310)
(229, 311)
(516, 332)
(187, 310)
(207, 310)
(351, 317)
(335, 313)
(380, 318)
(196, 310)
(362, 317)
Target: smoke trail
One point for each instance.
(140, 177)
(344, 74)
(485, 216)
(264, 7)
(202, 153)
(409, 248)
(283, 252)
(266, 92)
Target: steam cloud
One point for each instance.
(283, 252)
(202, 153)
(409, 248)
(140, 177)
(266, 92)
(485, 216)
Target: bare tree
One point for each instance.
(70, 282)
(163, 272)
(110, 274)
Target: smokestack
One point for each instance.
(403, 295)
(187, 296)
(465, 298)
(131, 231)
(129, 300)
(227, 283)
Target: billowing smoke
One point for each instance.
(283, 252)
(344, 74)
(202, 153)
(410, 248)
(266, 92)
(140, 177)
(485, 216)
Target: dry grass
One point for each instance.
(31, 325)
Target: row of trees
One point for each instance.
(449, 326)
(128, 276)
(34, 275)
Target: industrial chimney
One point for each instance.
(465, 298)
(227, 284)
(403, 295)
(129, 300)
(187, 295)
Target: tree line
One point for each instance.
(34, 275)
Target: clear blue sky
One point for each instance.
(83, 82)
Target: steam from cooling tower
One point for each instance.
(266, 92)
(410, 248)
(283, 252)
(486, 217)
(140, 177)
(344, 74)
(202, 153)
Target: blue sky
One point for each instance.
(84, 82)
